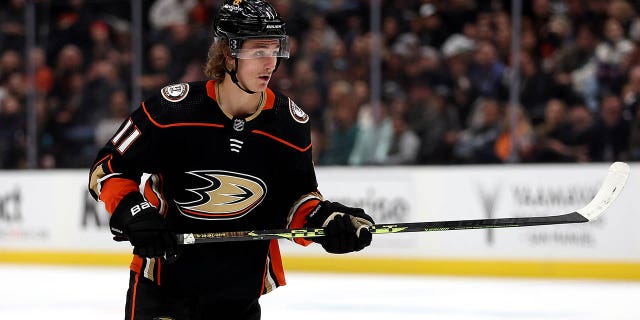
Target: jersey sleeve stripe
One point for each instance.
(153, 193)
(97, 175)
(299, 212)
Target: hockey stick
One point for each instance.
(608, 192)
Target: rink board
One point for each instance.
(48, 217)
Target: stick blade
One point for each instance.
(608, 192)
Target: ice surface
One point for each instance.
(48, 292)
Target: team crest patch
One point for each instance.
(175, 92)
(297, 113)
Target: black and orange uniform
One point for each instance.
(206, 171)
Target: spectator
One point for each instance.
(515, 143)
(10, 62)
(373, 139)
(342, 124)
(439, 128)
(574, 69)
(404, 145)
(119, 110)
(43, 73)
(610, 55)
(12, 26)
(611, 133)
(12, 134)
(631, 93)
(486, 71)
(536, 87)
(166, 13)
(157, 74)
(634, 139)
(581, 123)
(476, 143)
(553, 134)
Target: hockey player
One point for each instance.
(225, 154)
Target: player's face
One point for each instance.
(257, 63)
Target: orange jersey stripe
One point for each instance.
(289, 144)
(300, 218)
(276, 262)
(114, 189)
(271, 100)
(211, 90)
(136, 264)
(134, 296)
(151, 196)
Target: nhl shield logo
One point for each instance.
(297, 113)
(238, 124)
(176, 92)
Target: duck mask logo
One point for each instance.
(227, 195)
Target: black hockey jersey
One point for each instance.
(208, 172)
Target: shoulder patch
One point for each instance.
(175, 92)
(297, 113)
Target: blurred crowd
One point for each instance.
(446, 74)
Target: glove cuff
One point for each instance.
(319, 215)
(131, 205)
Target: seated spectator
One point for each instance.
(12, 133)
(581, 123)
(439, 126)
(517, 144)
(476, 143)
(404, 145)
(634, 138)
(611, 132)
(342, 124)
(119, 110)
(553, 134)
(610, 55)
(157, 73)
(486, 71)
(373, 139)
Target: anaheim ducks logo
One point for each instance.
(297, 113)
(176, 92)
(228, 195)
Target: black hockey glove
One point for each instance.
(346, 229)
(138, 221)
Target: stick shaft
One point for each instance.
(574, 217)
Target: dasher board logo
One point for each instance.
(297, 113)
(175, 92)
(225, 195)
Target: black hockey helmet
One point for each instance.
(239, 20)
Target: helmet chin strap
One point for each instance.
(234, 78)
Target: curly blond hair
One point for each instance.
(217, 57)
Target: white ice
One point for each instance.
(69, 293)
